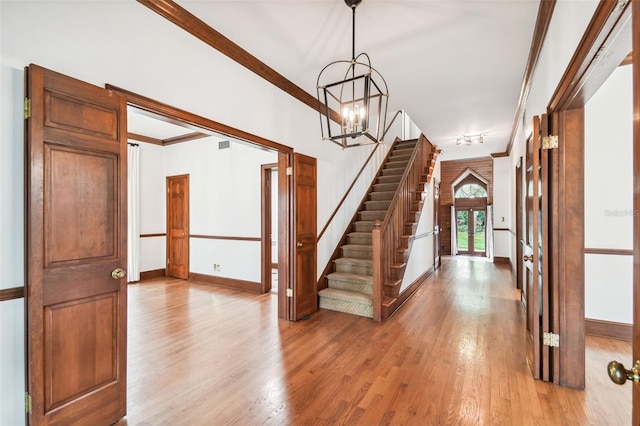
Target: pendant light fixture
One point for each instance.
(353, 105)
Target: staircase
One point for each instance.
(350, 286)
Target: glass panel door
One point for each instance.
(479, 233)
(462, 227)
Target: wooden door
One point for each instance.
(76, 294)
(536, 276)
(636, 202)
(436, 225)
(305, 294)
(178, 226)
(266, 173)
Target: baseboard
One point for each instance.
(156, 273)
(251, 286)
(404, 296)
(499, 259)
(612, 330)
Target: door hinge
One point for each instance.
(551, 339)
(289, 171)
(27, 403)
(167, 260)
(289, 292)
(27, 108)
(549, 142)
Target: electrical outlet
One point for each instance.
(216, 267)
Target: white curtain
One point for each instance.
(489, 229)
(454, 231)
(133, 203)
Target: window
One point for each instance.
(471, 190)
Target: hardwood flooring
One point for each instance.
(454, 354)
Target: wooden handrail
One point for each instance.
(398, 112)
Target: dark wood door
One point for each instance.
(436, 225)
(178, 226)
(76, 295)
(535, 259)
(305, 295)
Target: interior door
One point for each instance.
(76, 294)
(178, 226)
(536, 279)
(305, 294)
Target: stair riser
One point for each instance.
(372, 215)
(385, 187)
(346, 306)
(361, 239)
(392, 171)
(381, 196)
(358, 287)
(351, 268)
(389, 179)
(363, 226)
(377, 205)
(358, 253)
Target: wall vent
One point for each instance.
(224, 145)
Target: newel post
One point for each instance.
(377, 271)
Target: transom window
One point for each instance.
(471, 190)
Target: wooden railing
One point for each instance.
(389, 255)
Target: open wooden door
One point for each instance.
(305, 294)
(535, 257)
(76, 294)
(178, 226)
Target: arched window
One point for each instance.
(471, 190)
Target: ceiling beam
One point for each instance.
(142, 138)
(173, 12)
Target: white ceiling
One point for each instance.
(456, 67)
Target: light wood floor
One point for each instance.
(454, 354)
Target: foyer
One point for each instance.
(454, 354)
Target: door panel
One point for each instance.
(462, 230)
(178, 226)
(76, 296)
(305, 291)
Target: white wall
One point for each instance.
(153, 219)
(608, 199)
(502, 200)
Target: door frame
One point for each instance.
(519, 236)
(285, 196)
(266, 237)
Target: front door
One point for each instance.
(76, 294)
(178, 226)
(471, 231)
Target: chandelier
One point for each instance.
(353, 105)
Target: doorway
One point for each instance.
(471, 231)
(178, 226)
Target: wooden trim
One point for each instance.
(346, 194)
(628, 60)
(251, 286)
(181, 117)
(609, 329)
(11, 293)
(617, 252)
(156, 273)
(173, 12)
(584, 75)
(184, 138)
(499, 154)
(143, 138)
(266, 221)
(500, 259)
(163, 234)
(545, 12)
(225, 237)
(388, 311)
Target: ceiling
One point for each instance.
(455, 67)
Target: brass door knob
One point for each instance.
(527, 258)
(118, 273)
(619, 375)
